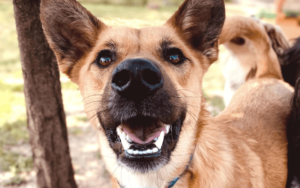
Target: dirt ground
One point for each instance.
(89, 169)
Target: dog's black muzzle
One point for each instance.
(141, 92)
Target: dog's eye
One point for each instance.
(174, 56)
(105, 58)
(105, 61)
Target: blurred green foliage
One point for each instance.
(135, 2)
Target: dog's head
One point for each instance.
(141, 86)
(258, 46)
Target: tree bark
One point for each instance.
(45, 113)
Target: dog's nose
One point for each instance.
(136, 78)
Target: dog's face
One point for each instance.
(141, 87)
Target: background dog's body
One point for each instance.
(245, 38)
(140, 82)
(291, 72)
(290, 63)
(244, 58)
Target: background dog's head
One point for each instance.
(142, 87)
(257, 45)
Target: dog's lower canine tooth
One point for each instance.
(123, 135)
(124, 142)
(119, 131)
(160, 140)
(167, 129)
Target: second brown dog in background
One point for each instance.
(246, 39)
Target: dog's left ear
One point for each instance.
(199, 23)
(279, 41)
(71, 31)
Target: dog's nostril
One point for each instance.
(151, 77)
(121, 78)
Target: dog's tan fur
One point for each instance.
(260, 42)
(245, 146)
(265, 60)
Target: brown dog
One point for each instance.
(245, 38)
(143, 89)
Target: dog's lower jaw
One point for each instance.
(154, 179)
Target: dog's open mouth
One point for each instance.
(144, 144)
(142, 138)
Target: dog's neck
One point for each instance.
(174, 181)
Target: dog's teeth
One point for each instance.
(123, 135)
(119, 131)
(125, 144)
(160, 140)
(130, 151)
(127, 138)
(167, 129)
(154, 150)
(144, 152)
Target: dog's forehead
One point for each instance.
(120, 37)
(155, 36)
(133, 39)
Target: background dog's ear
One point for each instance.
(70, 29)
(200, 22)
(279, 41)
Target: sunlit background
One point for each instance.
(16, 169)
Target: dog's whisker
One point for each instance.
(187, 90)
(96, 114)
(101, 101)
(115, 169)
(179, 97)
(92, 110)
(91, 96)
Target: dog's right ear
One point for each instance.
(70, 29)
(199, 23)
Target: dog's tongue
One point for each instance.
(147, 135)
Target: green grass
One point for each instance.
(11, 98)
(9, 51)
(129, 12)
(16, 180)
(69, 86)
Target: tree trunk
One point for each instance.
(45, 113)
